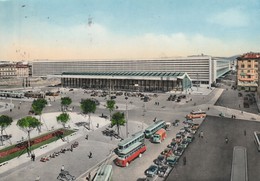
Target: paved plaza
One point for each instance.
(210, 158)
(140, 115)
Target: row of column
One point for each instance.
(124, 84)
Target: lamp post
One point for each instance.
(126, 98)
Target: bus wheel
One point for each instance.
(127, 163)
(140, 155)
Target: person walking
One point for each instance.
(226, 139)
(90, 154)
(62, 168)
(201, 134)
(33, 157)
(184, 160)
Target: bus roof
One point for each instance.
(155, 124)
(121, 143)
(127, 150)
(198, 112)
(103, 173)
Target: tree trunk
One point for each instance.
(2, 137)
(117, 129)
(29, 145)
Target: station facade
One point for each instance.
(127, 81)
(197, 70)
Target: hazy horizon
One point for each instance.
(117, 29)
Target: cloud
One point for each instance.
(233, 17)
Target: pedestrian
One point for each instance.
(62, 168)
(201, 134)
(38, 178)
(226, 139)
(184, 160)
(33, 157)
(86, 137)
(90, 154)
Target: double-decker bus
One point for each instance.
(104, 173)
(196, 114)
(154, 127)
(137, 137)
(129, 154)
(256, 138)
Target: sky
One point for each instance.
(127, 29)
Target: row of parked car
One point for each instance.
(176, 98)
(170, 156)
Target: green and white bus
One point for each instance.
(154, 127)
(104, 173)
(126, 143)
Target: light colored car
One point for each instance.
(152, 171)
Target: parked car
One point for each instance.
(178, 138)
(184, 143)
(152, 171)
(179, 151)
(113, 97)
(167, 152)
(190, 137)
(160, 160)
(172, 160)
(172, 144)
(163, 170)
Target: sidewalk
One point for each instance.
(49, 123)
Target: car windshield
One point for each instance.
(153, 168)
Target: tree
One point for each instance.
(88, 106)
(63, 118)
(118, 119)
(111, 106)
(27, 124)
(37, 107)
(65, 102)
(5, 121)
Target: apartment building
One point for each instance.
(22, 69)
(247, 71)
(7, 70)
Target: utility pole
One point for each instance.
(126, 126)
(197, 81)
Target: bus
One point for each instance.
(104, 173)
(159, 136)
(130, 153)
(13, 94)
(196, 114)
(149, 131)
(137, 137)
(256, 138)
(239, 164)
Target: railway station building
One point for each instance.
(143, 74)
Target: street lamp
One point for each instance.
(126, 98)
